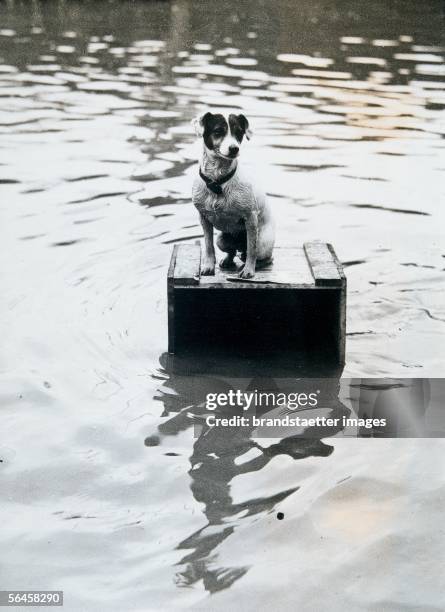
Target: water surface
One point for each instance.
(97, 157)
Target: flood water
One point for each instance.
(105, 492)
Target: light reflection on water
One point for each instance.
(97, 156)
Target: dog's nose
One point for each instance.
(233, 150)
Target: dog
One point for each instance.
(227, 200)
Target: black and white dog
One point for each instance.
(227, 200)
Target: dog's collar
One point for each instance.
(215, 186)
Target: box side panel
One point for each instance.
(170, 301)
(251, 321)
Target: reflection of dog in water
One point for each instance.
(227, 200)
(216, 460)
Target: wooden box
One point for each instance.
(296, 304)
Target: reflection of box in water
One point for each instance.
(298, 303)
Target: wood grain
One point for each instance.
(324, 267)
(187, 265)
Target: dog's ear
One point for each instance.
(199, 123)
(245, 125)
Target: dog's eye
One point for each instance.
(218, 133)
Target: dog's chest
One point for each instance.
(225, 221)
(225, 212)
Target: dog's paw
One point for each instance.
(227, 263)
(246, 273)
(207, 268)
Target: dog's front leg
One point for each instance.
(209, 259)
(251, 223)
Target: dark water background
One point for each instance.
(97, 157)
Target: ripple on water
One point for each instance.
(97, 156)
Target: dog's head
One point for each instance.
(222, 134)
